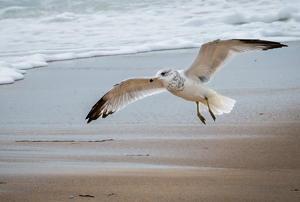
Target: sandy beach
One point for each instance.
(155, 149)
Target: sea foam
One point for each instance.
(34, 33)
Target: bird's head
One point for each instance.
(164, 75)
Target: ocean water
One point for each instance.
(34, 32)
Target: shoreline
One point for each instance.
(159, 150)
(47, 62)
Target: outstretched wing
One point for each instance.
(214, 55)
(123, 94)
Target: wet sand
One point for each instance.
(155, 149)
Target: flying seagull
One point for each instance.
(187, 84)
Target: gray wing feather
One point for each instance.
(214, 55)
(122, 94)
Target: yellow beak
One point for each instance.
(153, 79)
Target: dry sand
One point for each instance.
(155, 149)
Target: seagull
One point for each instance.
(188, 84)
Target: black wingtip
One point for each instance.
(96, 111)
(268, 44)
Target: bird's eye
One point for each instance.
(163, 73)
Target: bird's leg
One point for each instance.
(199, 115)
(211, 113)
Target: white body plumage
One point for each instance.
(177, 83)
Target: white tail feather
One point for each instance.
(219, 104)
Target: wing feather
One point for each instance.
(214, 55)
(123, 94)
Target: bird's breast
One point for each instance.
(192, 90)
(176, 84)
